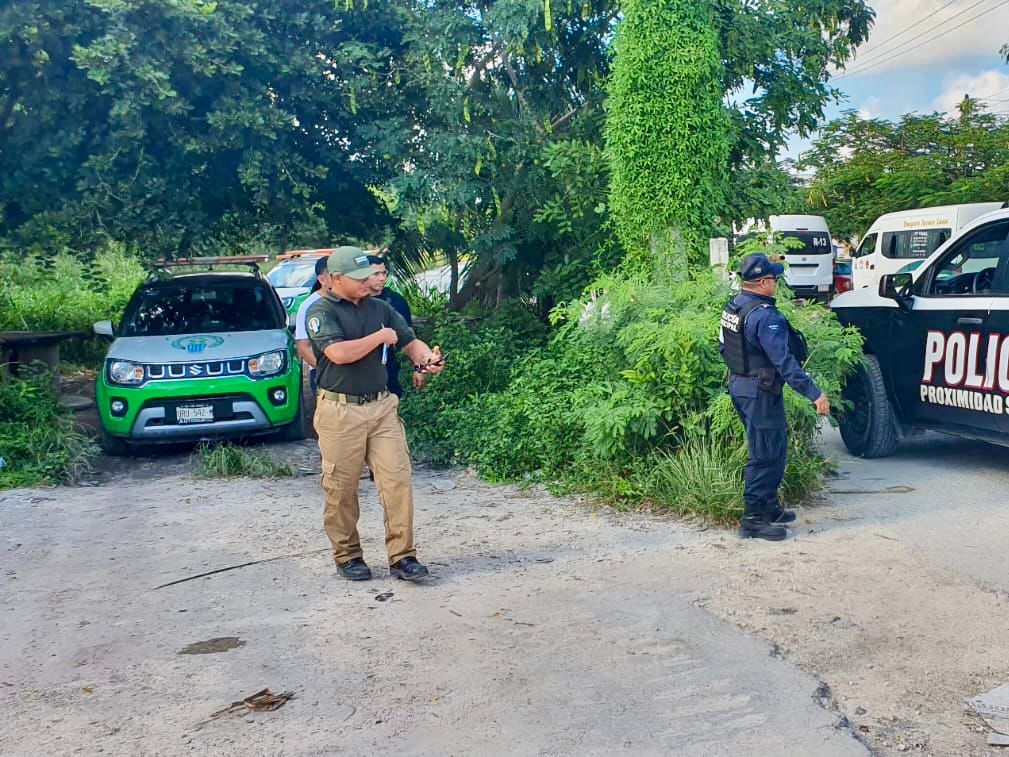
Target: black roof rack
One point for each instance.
(252, 261)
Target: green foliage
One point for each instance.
(626, 401)
(38, 440)
(667, 133)
(171, 123)
(230, 461)
(67, 292)
(482, 352)
(864, 168)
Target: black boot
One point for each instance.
(756, 527)
(779, 516)
(355, 569)
(408, 569)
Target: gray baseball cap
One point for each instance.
(349, 261)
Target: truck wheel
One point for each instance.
(869, 427)
(114, 446)
(296, 430)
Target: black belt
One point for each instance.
(352, 399)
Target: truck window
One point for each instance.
(867, 247)
(912, 243)
(975, 265)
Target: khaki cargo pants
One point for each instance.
(349, 434)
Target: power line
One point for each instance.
(994, 95)
(862, 70)
(860, 65)
(872, 50)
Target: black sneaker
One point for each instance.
(758, 528)
(408, 569)
(355, 569)
(781, 516)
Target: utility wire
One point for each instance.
(859, 65)
(875, 48)
(888, 58)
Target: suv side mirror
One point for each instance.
(104, 328)
(896, 286)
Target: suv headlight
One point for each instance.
(287, 302)
(126, 373)
(267, 364)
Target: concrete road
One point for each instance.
(552, 628)
(957, 509)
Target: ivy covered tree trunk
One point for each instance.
(667, 131)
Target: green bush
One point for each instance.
(481, 352)
(66, 292)
(38, 440)
(626, 400)
(230, 461)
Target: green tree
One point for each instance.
(864, 168)
(502, 81)
(174, 122)
(510, 111)
(667, 131)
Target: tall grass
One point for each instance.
(230, 461)
(38, 440)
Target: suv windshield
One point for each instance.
(293, 275)
(189, 308)
(813, 242)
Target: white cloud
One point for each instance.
(870, 108)
(979, 86)
(983, 35)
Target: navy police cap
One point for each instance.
(757, 266)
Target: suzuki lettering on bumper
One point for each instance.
(973, 375)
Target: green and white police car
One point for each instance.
(293, 277)
(200, 356)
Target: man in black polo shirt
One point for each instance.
(352, 335)
(379, 277)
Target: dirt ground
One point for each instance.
(552, 626)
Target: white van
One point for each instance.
(810, 271)
(901, 241)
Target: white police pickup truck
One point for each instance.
(936, 344)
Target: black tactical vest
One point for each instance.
(742, 359)
(739, 355)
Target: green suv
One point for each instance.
(199, 356)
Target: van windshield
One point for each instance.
(813, 242)
(912, 243)
(199, 309)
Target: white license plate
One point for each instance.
(823, 288)
(195, 414)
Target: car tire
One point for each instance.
(115, 446)
(869, 426)
(297, 429)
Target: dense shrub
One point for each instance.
(481, 351)
(38, 441)
(627, 400)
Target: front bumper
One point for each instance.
(241, 407)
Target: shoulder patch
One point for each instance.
(313, 324)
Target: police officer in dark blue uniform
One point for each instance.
(764, 353)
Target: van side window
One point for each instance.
(976, 265)
(867, 247)
(913, 243)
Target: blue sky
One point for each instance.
(930, 66)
